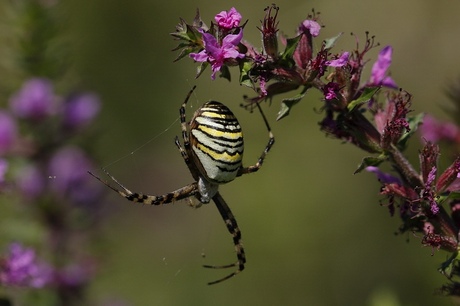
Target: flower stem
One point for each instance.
(404, 167)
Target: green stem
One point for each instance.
(405, 167)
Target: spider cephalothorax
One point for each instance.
(213, 151)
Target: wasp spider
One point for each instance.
(213, 151)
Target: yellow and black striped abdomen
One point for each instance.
(217, 142)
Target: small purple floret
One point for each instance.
(228, 19)
(35, 100)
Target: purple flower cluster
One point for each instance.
(220, 45)
(39, 160)
(270, 71)
(37, 107)
(35, 100)
(20, 267)
(43, 166)
(373, 115)
(217, 54)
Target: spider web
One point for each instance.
(156, 136)
(173, 266)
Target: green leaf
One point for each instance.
(245, 79)
(291, 46)
(370, 161)
(192, 34)
(367, 94)
(184, 51)
(441, 199)
(287, 104)
(330, 42)
(225, 73)
(450, 265)
(200, 69)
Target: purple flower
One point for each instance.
(383, 177)
(35, 100)
(215, 54)
(31, 181)
(8, 132)
(68, 171)
(310, 26)
(433, 130)
(428, 193)
(228, 19)
(20, 267)
(341, 61)
(330, 90)
(80, 110)
(379, 75)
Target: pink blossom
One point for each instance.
(80, 109)
(21, 267)
(330, 89)
(35, 100)
(228, 19)
(216, 54)
(434, 130)
(339, 62)
(310, 26)
(379, 75)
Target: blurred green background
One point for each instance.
(314, 233)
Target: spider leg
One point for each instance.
(232, 227)
(269, 145)
(181, 193)
(185, 150)
(183, 120)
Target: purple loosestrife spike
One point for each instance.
(20, 267)
(379, 75)
(228, 19)
(80, 110)
(217, 55)
(8, 132)
(35, 100)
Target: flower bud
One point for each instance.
(270, 31)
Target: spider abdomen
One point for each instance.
(217, 142)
